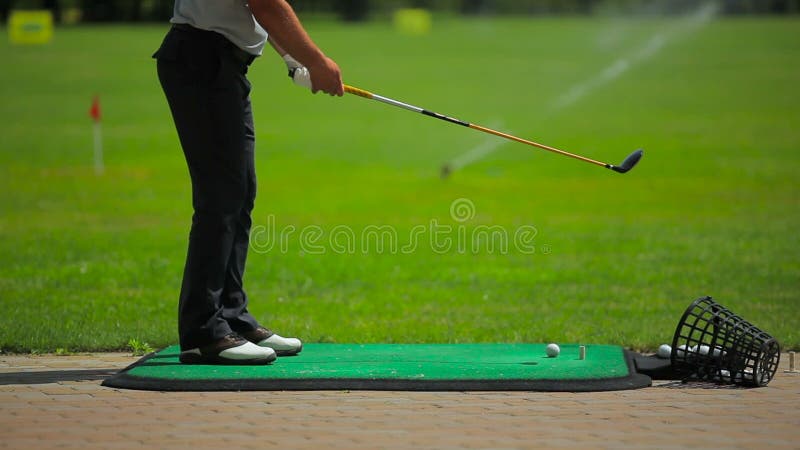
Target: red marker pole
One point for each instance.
(94, 113)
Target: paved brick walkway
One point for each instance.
(57, 401)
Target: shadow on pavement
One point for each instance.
(54, 376)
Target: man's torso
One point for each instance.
(230, 18)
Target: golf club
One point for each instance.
(625, 166)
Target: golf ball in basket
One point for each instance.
(703, 349)
(681, 350)
(552, 350)
(664, 351)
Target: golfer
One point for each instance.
(202, 66)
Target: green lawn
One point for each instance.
(88, 262)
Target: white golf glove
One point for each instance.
(299, 73)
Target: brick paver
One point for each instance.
(57, 401)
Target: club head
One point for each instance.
(446, 171)
(628, 163)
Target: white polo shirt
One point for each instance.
(230, 18)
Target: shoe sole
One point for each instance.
(193, 358)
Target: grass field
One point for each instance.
(89, 262)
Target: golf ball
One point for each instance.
(703, 349)
(664, 351)
(552, 350)
(681, 350)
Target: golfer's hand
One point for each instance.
(297, 72)
(326, 77)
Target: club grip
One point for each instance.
(357, 91)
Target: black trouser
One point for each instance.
(203, 77)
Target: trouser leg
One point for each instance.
(208, 95)
(234, 298)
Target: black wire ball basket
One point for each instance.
(711, 343)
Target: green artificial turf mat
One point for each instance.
(398, 367)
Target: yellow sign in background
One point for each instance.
(412, 21)
(30, 27)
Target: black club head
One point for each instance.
(629, 162)
(446, 171)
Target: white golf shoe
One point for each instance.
(263, 337)
(232, 350)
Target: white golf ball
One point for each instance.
(552, 350)
(681, 350)
(703, 349)
(664, 351)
